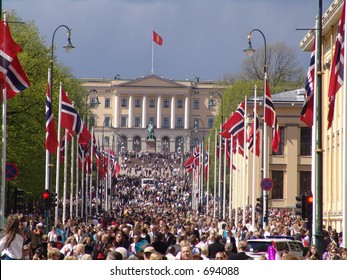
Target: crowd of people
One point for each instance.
(155, 223)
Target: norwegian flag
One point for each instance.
(51, 133)
(83, 153)
(16, 79)
(276, 137)
(71, 120)
(96, 154)
(115, 168)
(271, 119)
(193, 161)
(235, 125)
(253, 135)
(307, 109)
(196, 160)
(207, 164)
(104, 165)
(189, 161)
(8, 50)
(336, 75)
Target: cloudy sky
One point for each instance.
(201, 38)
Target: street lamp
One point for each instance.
(196, 126)
(89, 177)
(250, 51)
(108, 123)
(48, 183)
(212, 104)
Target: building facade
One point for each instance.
(290, 166)
(121, 111)
(333, 146)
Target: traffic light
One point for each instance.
(53, 200)
(308, 204)
(19, 199)
(300, 206)
(46, 199)
(260, 207)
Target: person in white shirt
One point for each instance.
(11, 244)
(52, 235)
(70, 247)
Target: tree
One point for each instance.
(26, 112)
(282, 66)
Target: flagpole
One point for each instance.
(65, 176)
(230, 176)
(72, 176)
(244, 165)
(48, 155)
(82, 185)
(58, 158)
(215, 174)
(220, 183)
(97, 190)
(3, 163)
(108, 187)
(318, 200)
(314, 140)
(77, 179)
(236, 182)
(91, 173)
(224, 176)
(3, 158)
(207, 174)
(254, 154)
(344, 155)
(152, 71)
(87, 202)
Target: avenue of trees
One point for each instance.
(26, 112)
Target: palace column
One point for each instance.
(186, 112)
(173, 115)
(130, 112)
(116, 111)
(159, 116)
(144, 111)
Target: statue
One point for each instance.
(150, 131)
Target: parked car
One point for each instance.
(148, 182)
(259, 247)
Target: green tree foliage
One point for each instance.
(26, 112)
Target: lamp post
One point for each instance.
(48, 182)
(196, 126)
(107, 182)
(249, 51)
(220, 184)
(95, 103)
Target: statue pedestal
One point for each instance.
(150, 145)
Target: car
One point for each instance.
(148, 182)
(259, 247)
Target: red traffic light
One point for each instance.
(46, 194)
(310, 199)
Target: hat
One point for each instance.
(149, 249)
(39, 225)
(196, 251)
(140, 246)
(123, 251)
